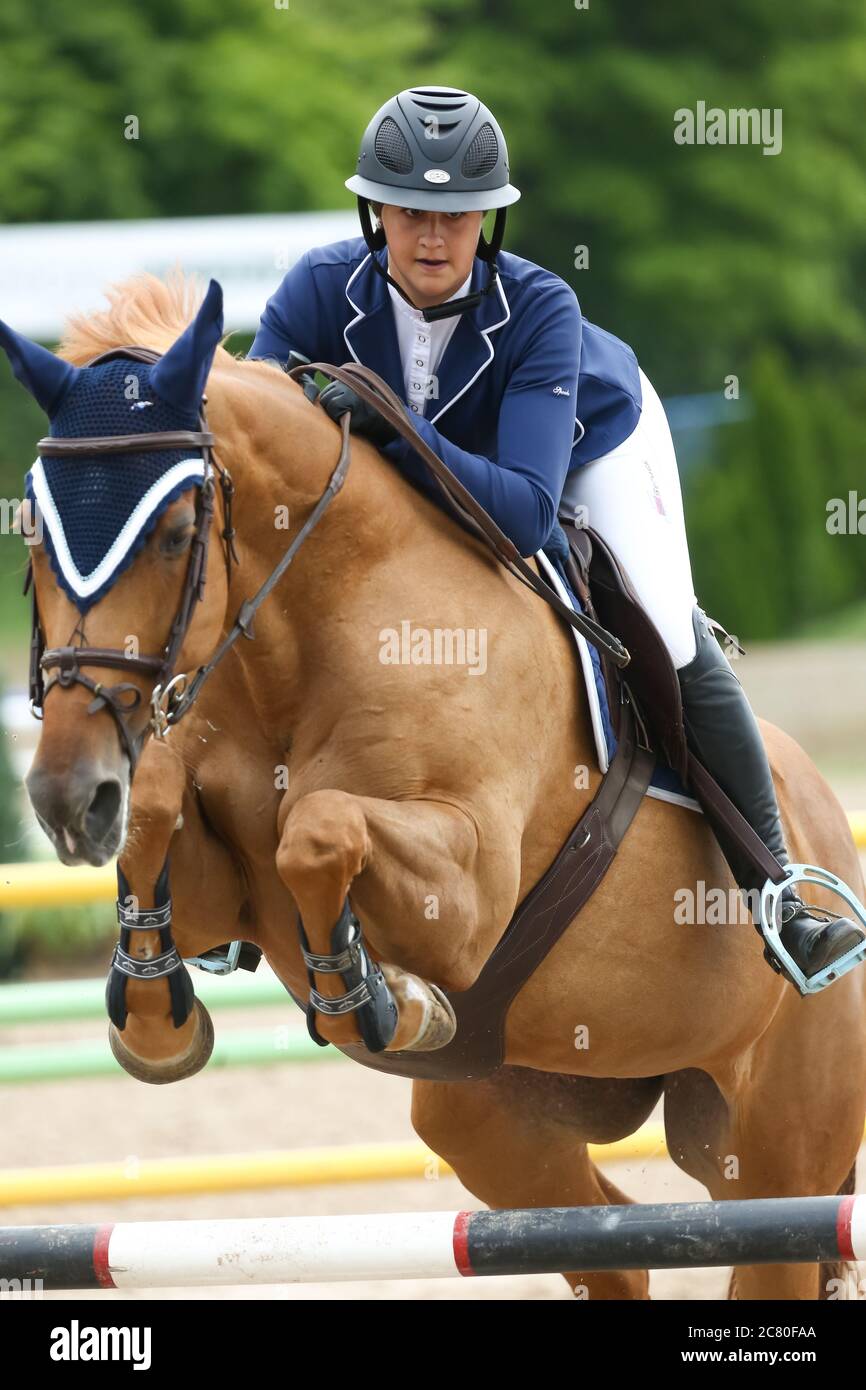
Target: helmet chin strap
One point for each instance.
(488, 251)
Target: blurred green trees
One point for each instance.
(764, 558)
(709, 260)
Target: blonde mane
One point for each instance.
(144, 311)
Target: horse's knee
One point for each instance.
(156, 804)
(324, 833)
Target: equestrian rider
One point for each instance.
(529, 404)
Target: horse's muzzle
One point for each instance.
(82, 810)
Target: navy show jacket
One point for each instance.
(527, 389)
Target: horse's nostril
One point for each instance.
(103, 809)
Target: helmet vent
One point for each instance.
(442, 128)
(391, 148)
(481, 157)
(439, 97)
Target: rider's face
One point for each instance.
(430, 253)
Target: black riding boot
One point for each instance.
(723, 733)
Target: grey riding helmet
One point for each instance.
(439, 149)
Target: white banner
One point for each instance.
(49, 270)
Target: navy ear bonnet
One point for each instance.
(98, 512)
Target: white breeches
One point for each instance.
(632, 498)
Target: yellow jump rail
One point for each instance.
(51, 884)
(241, 1172)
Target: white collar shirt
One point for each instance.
(422, 346)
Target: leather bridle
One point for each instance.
(173, 694)
(122, 699)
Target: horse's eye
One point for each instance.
(176, 541)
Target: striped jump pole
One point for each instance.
(297, 1250)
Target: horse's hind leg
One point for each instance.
(799, 1123)
(834, 1277)
(509, 1148)
(789, 1124)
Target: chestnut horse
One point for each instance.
(435, 796)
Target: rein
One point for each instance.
(174, 694)
(243, 623)
(377, 393)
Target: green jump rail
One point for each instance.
(75, 1060)
(56, 1001)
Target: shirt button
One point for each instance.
(420, 339)
(419, 362)
(415, 408)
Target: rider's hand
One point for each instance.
(337, 398)
(297, 359)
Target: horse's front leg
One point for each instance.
(431, 904)
(161, 1041)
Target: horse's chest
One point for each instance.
(240, 795)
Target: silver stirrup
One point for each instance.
(771, 899)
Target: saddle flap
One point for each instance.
(651, 673)
(577, 569)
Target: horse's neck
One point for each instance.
(311, 698)
(381, 554)
(282, 452)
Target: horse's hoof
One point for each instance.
(159, 1073)
(438, 1024)
(443, 1021)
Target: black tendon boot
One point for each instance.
(723, 733)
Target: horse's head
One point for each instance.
(127, 591)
